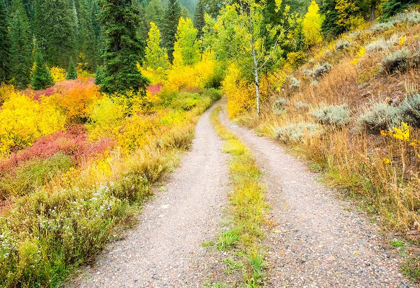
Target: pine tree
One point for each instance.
(40, 26)
(155, 55)
(154, 13)
(329, 27)
(187, 49)
(199, 20)
(21, 49)
(88, 46)
(71, 71)
(312, 25)
(41, 77)
(60, 33)
(123, 48)
(172, 15)
(4, 44)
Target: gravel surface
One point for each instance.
(165, 249)
(317, 240)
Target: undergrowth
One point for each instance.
(242, 240)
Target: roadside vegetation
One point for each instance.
(241, 238)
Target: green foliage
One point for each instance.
(71, 71)
(155, 55)
(396, 62)
(312, 24)
(59, 30)
(329, 27)
(21, 48)
(227, 239)
(379, 117)
(199, 21)
(334, 115)
(4, 44)
(155, 13)
(172, 15)
(187, 48)
(295, 133)
(33, 174)
(41, 77)
(411, 269)
(98, 75)
(88, 40)
(213, 94)
(392, 7)
(410, 110)
(123, 48)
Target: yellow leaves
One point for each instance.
(312, 25)
(402, 41)
(24, 120)
(360, 54)
(58, 74)
(386, 161)
(402, 133)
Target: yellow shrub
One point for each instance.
(137, 132)
(156, 76)
(240, 94)
(6, 91)
(58, 74)
(23, 121)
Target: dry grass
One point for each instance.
(382, 172)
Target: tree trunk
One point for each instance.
(372, 13)
(257, 83)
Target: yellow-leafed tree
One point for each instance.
(312, 25)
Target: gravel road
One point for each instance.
(165, 250)
(318, 240)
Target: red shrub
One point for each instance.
(72, 142)
(154, 89)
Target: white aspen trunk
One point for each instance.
(257, 83)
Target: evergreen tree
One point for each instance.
(199, 20)
(187, 49)
(172, 15)
(312, 25)
(154, 13)
(123, 48)
(88, 46)
(98, 75)
(40, 26)
(71, 71)
(329, 27)
(60, 33)
(155, 55)
(4, 44)
(41, 77)
(21, 48)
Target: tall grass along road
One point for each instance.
(316, 240)
(165, 250)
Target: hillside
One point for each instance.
(352, 110)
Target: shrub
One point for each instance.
(297, 132)
(301, 106)
(379, 27)
(342, 45)
(378, 45)
(335, 115)
(279, 105)
(410, 110)
(213, 94)
(24, 120)
(58, 74)
(33, 174)
(76, 101)
(294, 83)
(71, 71)
(41, 77)
(6, 91)
(379, 117)
(397, 61)
(307, 73)
(314, 83)
(321, 70)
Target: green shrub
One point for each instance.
(342, 45)
(321, 70)
(279, 105)
(410, 110)
(296, 132)
(334, 115)
(213, 94)
(379, 117)
(301, 106)
(186, 101)
(379, 27)
(397, 61)
(378, 45)
(294, 83)
(32, 174)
